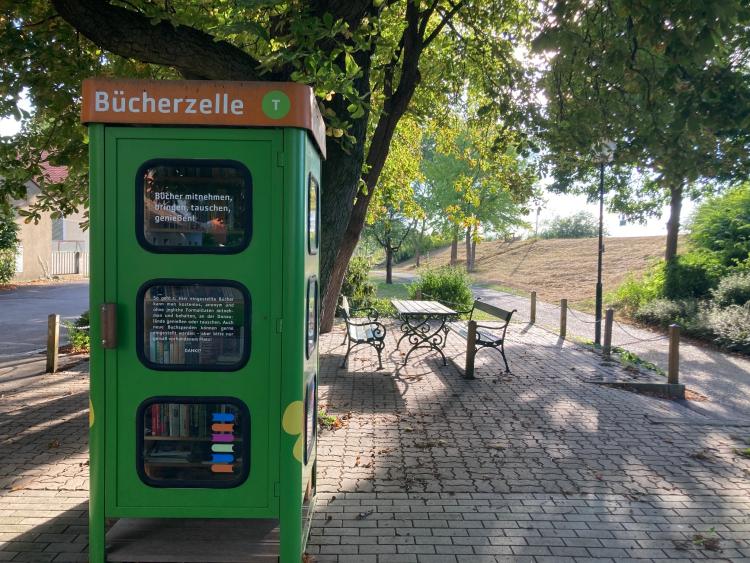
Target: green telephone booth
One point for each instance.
(204, 218)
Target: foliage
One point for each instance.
(429, 242)
(7, 265)
(357, 285)
(730, 326)
(476, 179)
(8, 244)
(691, 275)
(663, 312)
(448, 285)
(733, 289)
(665, 81)
(369, 62)
(328, 421)
(579, 225)
(78, 334)
(721, 225)
(633, 292)
(632, 361)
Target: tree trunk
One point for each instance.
(673, 225)
(454, 248)
(420, 238)
(473, 254)
(388, 264)
(468, 249)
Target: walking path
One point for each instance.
(540, 465)
(722, 377)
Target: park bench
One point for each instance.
(362, 330)
(482, 336)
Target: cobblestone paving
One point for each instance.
(44, 465)
(540, 465)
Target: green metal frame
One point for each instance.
(283, 196)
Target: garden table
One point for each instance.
(423, 324)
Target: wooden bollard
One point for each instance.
(673, 370)
(563, 317)
(609, 316)
(532, 312)
(53, 342)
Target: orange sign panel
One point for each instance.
(203, 102)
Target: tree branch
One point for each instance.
(446, 18)
(128, 34)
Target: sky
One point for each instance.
(561, 205)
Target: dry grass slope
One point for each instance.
(557, 268)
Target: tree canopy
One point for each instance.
(666, 81)
(370, 62)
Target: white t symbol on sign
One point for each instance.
(275, 104)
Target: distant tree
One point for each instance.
(579, 225)
(477, 180)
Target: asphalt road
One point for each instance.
(24, 312)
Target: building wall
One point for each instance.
(36, 241)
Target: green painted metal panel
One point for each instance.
(274, 268)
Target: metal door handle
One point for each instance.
(108, 316)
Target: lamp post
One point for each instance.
(605, 155)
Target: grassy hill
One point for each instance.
(556, 268)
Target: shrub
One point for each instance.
(691, 275)
(720, 226)
(448, 285)
(634, 293)
(730, 326)
(8, 243)
(78, 333)
(664, 312)
(733, 289)
(7, 265)
(579, 225)
(357, 286)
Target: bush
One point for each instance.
(720, 226)
(7, 265)
(733, 289)
(579, 225)
(730, 326)
(357, 286)
(691, 275)
(78, 333)
(663, 312)
(634, 293)
(451, 286)
(8, 243)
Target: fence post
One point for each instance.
(563, 317)
(77, 263)
(532, 314)
(53, 342)
(673, 371)
(609, 316)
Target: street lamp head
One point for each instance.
(605, 151)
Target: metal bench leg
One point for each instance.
(471, 350)
(346, 335)
(380, 350)
(348, 349)
(502, 351)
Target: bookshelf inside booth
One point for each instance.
(193, 442)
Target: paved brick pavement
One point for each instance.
(541, 465)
